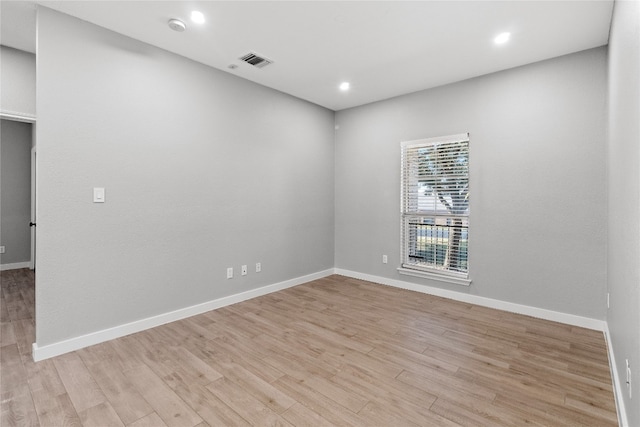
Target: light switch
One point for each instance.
(98, 195)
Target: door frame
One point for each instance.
(34, 200)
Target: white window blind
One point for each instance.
(435, 205)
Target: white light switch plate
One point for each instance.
(98, 195)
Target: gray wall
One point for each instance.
(537, 176)
(202, 171)
(624, 197)
(18, 81)
(15, 191)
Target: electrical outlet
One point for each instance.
(608, 300)
(2, 249)
(258, 267)
(244, 270)
(230, 273)
(385, 259)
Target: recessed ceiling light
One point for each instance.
(502, 38)
(197, 17)
(344, 86)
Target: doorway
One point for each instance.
(17, 196)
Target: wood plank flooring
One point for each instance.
(335, 351)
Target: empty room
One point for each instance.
(315, 213)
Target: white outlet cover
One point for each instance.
(230, 273)
(244, 270)
(258, 267)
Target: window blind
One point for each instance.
(435, 204)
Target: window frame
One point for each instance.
(425, 271)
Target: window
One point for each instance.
(435, 207)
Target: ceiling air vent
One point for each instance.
(255, 60)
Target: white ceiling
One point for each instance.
(384, 48)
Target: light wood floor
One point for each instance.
(335, 351)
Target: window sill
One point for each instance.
(434, 276)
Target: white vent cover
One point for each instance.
(256, 60)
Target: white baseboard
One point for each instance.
(15, 266)
(58, 348)
(623, 421)
(541, 313)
